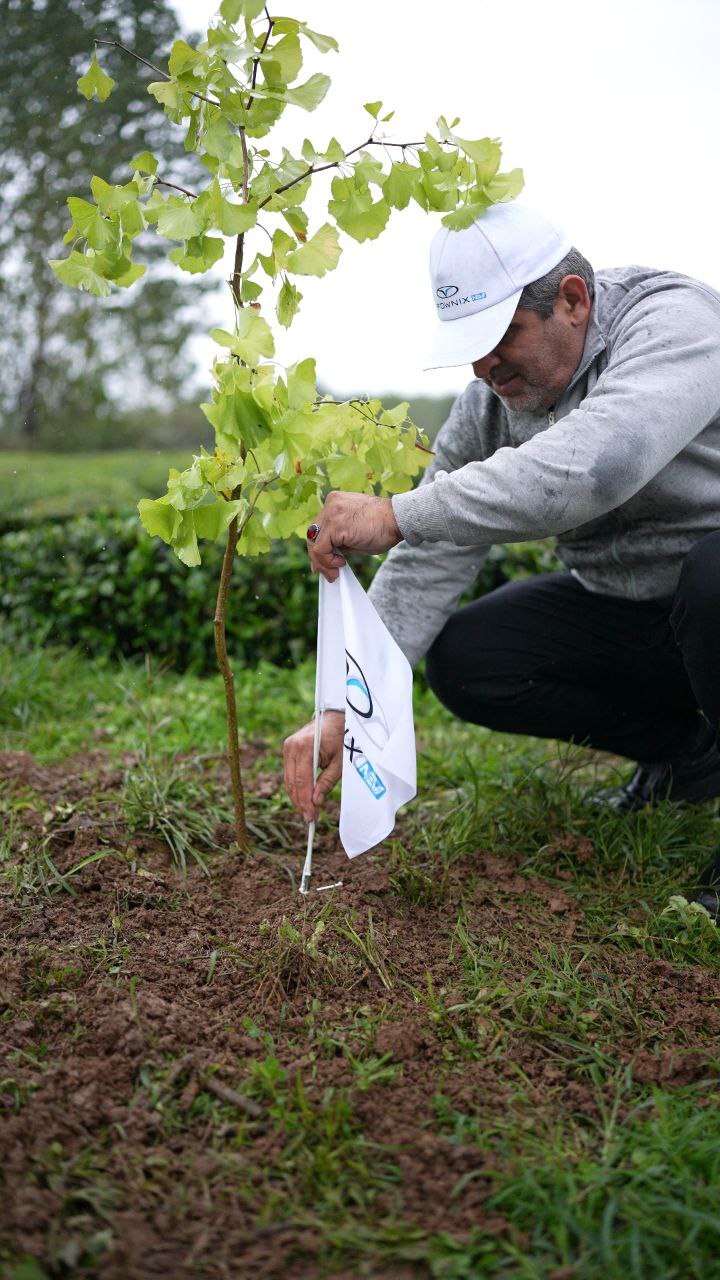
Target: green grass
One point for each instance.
(54, 703)
(616, 1203)
(41, 486)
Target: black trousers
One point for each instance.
(546, 657)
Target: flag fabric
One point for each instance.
(361, 669)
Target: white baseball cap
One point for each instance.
(478, 275)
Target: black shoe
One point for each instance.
(708, 894)
(687, 781)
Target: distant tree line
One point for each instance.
(70, 367)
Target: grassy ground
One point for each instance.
(41, 486)
(491, 1053)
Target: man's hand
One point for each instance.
(351, 522)
(305, 794)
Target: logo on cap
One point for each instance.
(447, 290)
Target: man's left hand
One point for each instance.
(351, 522)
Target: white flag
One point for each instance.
(361, 669)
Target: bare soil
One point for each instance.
(127, 1004)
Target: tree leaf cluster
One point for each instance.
(281, 446)
(278, 444)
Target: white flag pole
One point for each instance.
(307, 869)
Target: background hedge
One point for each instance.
(100, 583)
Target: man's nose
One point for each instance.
(482, 368)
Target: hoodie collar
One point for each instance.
(594, 345)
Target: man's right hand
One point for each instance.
(306, 795)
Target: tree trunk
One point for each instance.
(241, 835)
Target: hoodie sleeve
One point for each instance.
(660, 389)
(418, 586)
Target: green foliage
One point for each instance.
(278, 444)
(642, 1205)
(682, 932)
(99, 583)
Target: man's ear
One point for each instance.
(573, 300)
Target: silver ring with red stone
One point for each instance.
(313, 532)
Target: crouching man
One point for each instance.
(594, 417)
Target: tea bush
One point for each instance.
(101, 584)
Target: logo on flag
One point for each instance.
(375, 785)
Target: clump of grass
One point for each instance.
(368, 947)
(325, 1164)
(682, 932)
(414, 876)
(291, 958)
(170, 799)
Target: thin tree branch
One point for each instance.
(161, 182)
(240, 242)
(313, 169)
(359, 407)
(256, 61)
(246, 166)
(335, 164)
(235, 278)
(117, 45)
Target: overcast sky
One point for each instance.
(611, 110)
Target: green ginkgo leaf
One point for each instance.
(78, 271)
(318, 255)
(199, 254)
(133, 273)
(100, 233)
(322, 42)
(145, 162)
(358, 214)
(213, 518)
(231, 10)
(252, 339)
(158, 518)
(400, 184)
(96, 82)
(179, 219)
(308, 95)
(166, 92)
(282, 61)
(288, 304)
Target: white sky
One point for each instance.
(610, 108)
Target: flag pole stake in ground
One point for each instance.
(307, 868)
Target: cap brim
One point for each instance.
(470, 338)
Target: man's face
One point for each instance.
(534, 361)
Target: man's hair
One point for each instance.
(541, 294)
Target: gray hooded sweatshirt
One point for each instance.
(624, 471)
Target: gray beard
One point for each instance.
(534, 400)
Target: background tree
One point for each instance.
(68, 369)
